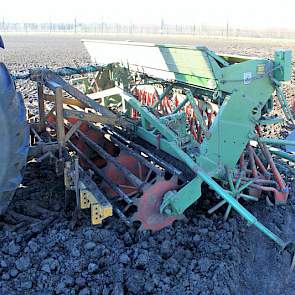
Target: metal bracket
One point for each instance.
(88, 194)
(94, 199)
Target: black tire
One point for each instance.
(14, 138)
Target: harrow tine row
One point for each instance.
(139, 157)
(140, 149)
(119, 188)
(112, 185)
(131, 177)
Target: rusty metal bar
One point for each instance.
(112, 185)
(41, 105)
(96, 170)
(53, 81)
(59, 120)
(269, 158)
(66, 100)
(72, 130)
(90, 117)
(131, 177)
(154, 158)
(138, 157)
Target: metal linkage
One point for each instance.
(53, 81)
(168, 167)
(64, 71)
(124, 146)
(112, 185)
(92, 197)
(208, 129)
(131, 177)
(140, 158)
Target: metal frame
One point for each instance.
(215, 151)
(242, 89)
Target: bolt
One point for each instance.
(168, 211)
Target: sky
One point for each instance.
(243, 13)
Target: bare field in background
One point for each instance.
(29, 50)
(31, 43)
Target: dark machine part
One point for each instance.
(14, 134)
(1, 43)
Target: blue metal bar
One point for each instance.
(64, 71)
